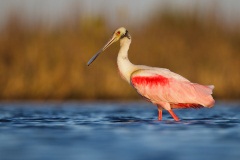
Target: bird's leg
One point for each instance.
(159, 113)
(175, 117)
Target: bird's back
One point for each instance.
(159, 84)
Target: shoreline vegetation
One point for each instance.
(38, 63)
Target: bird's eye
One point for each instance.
(118, 33)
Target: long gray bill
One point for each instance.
(100, 51)
(94, 57)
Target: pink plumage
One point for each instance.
(169, 90)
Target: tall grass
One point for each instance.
(41, 63)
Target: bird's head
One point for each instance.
(119, 34)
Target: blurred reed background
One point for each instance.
(42, 62)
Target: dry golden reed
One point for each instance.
(41, 63)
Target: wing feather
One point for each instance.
(172, 88)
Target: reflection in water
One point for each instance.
(116, 131)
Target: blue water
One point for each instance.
(117, 131)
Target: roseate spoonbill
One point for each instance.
(160, 86)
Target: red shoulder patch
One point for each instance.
(154, 80)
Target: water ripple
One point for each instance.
(117, 131)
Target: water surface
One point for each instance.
(117, 130)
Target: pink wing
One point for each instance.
(179, 92)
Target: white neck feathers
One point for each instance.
(124, 65)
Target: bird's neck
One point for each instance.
(124, 65)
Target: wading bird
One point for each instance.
(160, 86)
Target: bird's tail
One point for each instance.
(205, 95)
